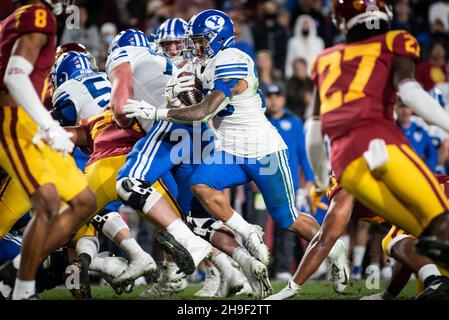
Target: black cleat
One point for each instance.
(435, 249)
(81, 289)
(179, 253)
(437, 288)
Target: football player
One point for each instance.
(397, 244)
(34, 147)
(356, 91)
(250, 148)
(128, 66)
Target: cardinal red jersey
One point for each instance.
(107, 139)
(357, 93)
(27, 19)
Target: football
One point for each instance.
(194, 96)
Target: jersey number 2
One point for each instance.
(369, 53)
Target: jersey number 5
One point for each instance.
(369, 53)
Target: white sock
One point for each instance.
(294, 286)
(347, 242)
(237, 224)
(335, 251)
(222, 262)
(427, 271)
(179, 230)
(16, 261)
(23, 289)
(132, 248)
(241, 256)
(87, 245)
(358, 255)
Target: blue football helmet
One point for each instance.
(129, 37)
(170, 39)
(214, 26)
(70, 65)
(438, 96)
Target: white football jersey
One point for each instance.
(90, 94)
(241, 126)
(151, 72)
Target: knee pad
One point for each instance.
(204, 227)
(137, 194)
(110, 224)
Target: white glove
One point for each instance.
(177, 85)
(301, 200)
(56, 137)
(143, 110)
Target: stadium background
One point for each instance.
(282, 37)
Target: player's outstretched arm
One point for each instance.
(24, 55)
(414, 96)
(315, 147)
(122, 90)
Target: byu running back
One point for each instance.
(249, 147)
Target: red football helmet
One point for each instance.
(348, 13)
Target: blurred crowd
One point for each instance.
(283, 37)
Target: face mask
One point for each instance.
(305, 33)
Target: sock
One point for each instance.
(88, 246)
(427, 271)
(237, 224)
(294, 286)
(16, 262)
(179, 230)
(347, 242)
(241, 255)
(222, 262)
(23, 289)
(131, 247)
(358, 255)
(335, 251)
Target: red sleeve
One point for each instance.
(35, 18)
(402, 43)
(314, 71)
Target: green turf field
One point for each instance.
(312, 290)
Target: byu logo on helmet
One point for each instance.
(215, 22)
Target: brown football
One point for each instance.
(194, 96)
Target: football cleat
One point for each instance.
(178, 251)
(231, 282)
(339, 268)
(256, 246)
(211, 284)
(286, 293)
(81, 266)
(144, 265)
(257, 274)
(163, 289)
(169, 282)
(436, 289)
